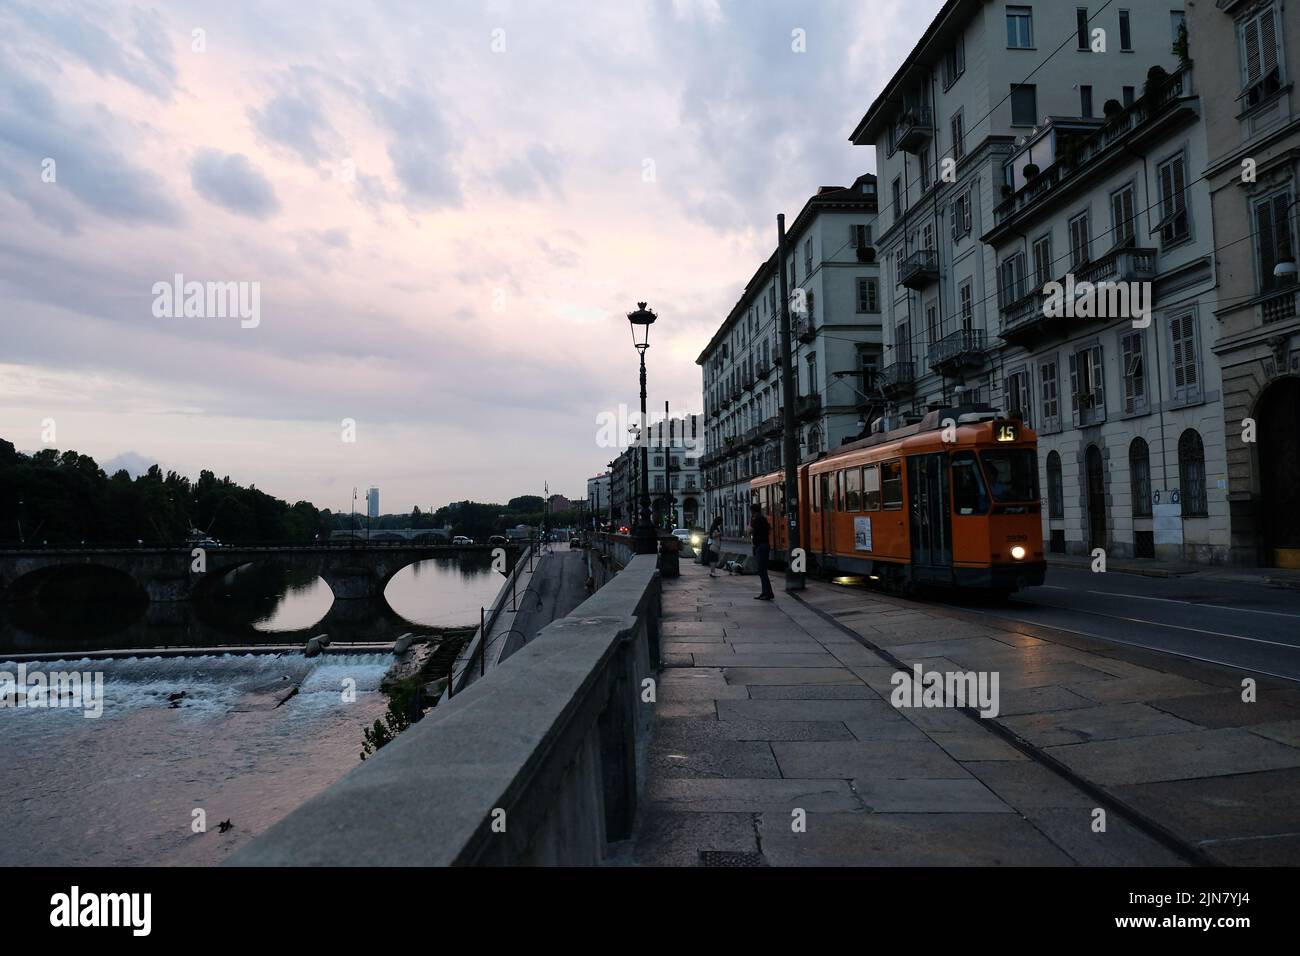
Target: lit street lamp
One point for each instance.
(644, 539)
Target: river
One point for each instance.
(202, 736)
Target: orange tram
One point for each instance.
(951, 502)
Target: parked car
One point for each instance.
(683, 535)
(575, 542)
(461, 539)
(497, 539)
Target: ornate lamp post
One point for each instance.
(644, 539)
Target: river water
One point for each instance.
(201, 737)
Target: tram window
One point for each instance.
(968, 493)
(780, 499)
(1012, 473)
(816, 495)
(839, 491)
(891, 485)
(853, 490)
(824, 491)
(871, 488)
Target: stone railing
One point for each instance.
(542, 761)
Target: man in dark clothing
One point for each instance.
(762, 550)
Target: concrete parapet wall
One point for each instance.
(539, 762)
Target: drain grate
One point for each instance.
(731, 858)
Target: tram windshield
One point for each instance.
(1012, 474)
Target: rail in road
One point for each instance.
(1247, 626)
(16, 550)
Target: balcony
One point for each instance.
(804, 329)
(753, 436)
(1072, 150)
(897, 379)
(1026, 317)
(771, 427)
(1279, 305)
(915, 128)
(920, 269)
(807, 406)
(747, 383)
(961, 349)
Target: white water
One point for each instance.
(123, 788)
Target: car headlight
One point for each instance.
(696, 539)
(1018, 553)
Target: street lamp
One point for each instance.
(644, 539)
(1286, 266)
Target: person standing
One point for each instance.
(761, 533)
(713, 546)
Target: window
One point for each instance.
(966, 305)
(1087, 386)
(839, 491)
(898, 266)
(968, 494)
(1184, 358)
(958, 128)
(1016, 396)
(1174, 222)
(1024, 104)
(868, 295)
(923, 161)
(1051, 403)
(1012, 473)
(1080, 242)
(1043, 260)
(1273, 238)
(1139, 476)
(1125, 32)
(871, 488)
(1133, 370)
(903, 341)
(1055, 488)
(807, 257)
(897, 189)
(1011, 285)
(927, 236)
(1123, 217)
(961, 215)
(1177, 21)
(891, 485)
(932, 330)
(1260, 59)
(1085, 101)
(1191, 474)
(1129, 96)
(859, 235)
(853, 490)
(954, 62)
(1081, 27)
(1020, 28)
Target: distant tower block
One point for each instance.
(372, 503)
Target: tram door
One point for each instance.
(930, 517)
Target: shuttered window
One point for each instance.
(1051, 402)
(1087, 391)
(1184, 358)
(1134, 372)
(1274, 237)
(1260, 56)
(1080, 241)
(1174, 221)
(1191, 474)
(1043, 260)
(1122, 216)
(1139, 473)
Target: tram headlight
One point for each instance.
(1018, 553)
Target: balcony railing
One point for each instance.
(807, 406)
(961, 348)
(1143, 111)
(1280, 305)
(804, 329)
(753, 436)
(915, 128)
(1027, 314)
(920, 269)
(897, 379)
(772, 426)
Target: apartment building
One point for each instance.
(676, 488)
(1249, 53)
(835, 304)
(1113, 368)
(983, 78)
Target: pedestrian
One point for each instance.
(713, 546)
(760, 533)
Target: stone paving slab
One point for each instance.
(753, 676)
(1200, 753)
(764, 730)
(675, 838)
(1227, 709)
(701, 757)
(908, 839)
(1107, 722)
(751, 795)
(878, 710)
(829, 691)
(876, 759)
(928, 795)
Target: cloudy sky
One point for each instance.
(448, 209)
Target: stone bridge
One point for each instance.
(353, 571)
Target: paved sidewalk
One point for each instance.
(767, 708)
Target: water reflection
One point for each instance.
(252, 605)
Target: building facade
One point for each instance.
(598, 499)
(676, 490)
(1249, 53)
(372, 503)
(833, 283)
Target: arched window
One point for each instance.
(1139, 476)
(1191, 474)
(1055, 488)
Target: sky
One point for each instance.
(438, 215)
